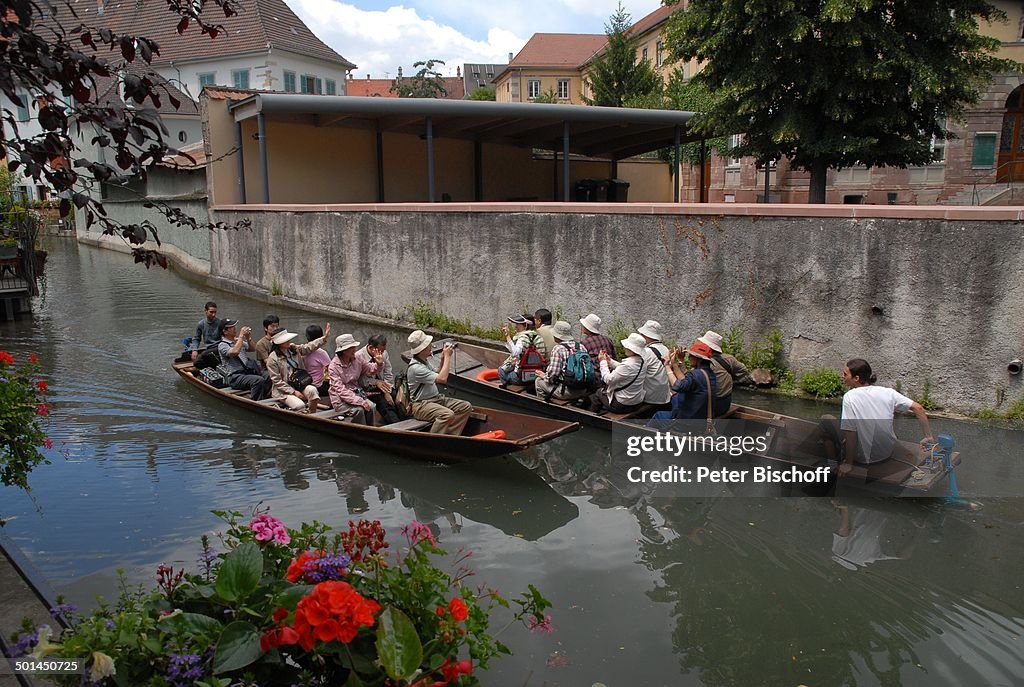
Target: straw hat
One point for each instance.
(634, 342)
(712, 339)
(344, 342)
(562, 330)
(283, 336)
(418, 340)
(651, 329)
(699, 349)
(592, 322)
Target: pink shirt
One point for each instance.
(315, 364)
(345, 380)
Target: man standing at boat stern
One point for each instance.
(867, 421)
(449, 415)
(244, 372)
(207, 331)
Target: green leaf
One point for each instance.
(238, 646)
(195, 624)
(240, 573)
(398, 646)
(290, 597)
(153, 645)
(353, 680)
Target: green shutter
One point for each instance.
(984, 154)
(289, 82)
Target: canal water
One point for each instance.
(648, 590)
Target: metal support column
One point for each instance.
(565, 162)
(767, 180)
(478, 171)
(264, 165)
(677, 166)
(703, 172)
(241, 163)
(430, 159)
(380, 164)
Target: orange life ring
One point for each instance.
(493, 434)
(487, 375)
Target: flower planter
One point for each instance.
(8, 252)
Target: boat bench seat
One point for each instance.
(735, 414)
(411, 425)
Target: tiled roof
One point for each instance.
(107, 90)
(558, 49)
(227, 93)
(652, 20)
(453, 85)
(197, 151)
(259, 26)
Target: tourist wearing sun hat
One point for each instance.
(345, 372)
(448, 415)
(244, 372)
(691, 389)
(624, 381)
(550, 381)
(726, 367)
(284, 360)
(594, 340)
(509, 372)
(656, 391)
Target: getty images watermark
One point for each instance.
(681, 458)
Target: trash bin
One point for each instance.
(589, 190)
(617, 190)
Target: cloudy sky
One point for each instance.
(380, 35)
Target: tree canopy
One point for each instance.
(425, 83)
(835, 83)
(50, 53)
(616, 75)
(484, 93)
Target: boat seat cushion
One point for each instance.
(412, 424)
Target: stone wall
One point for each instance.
(921, 293)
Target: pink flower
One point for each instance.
(542, 626)
(42, 409)
(48, 442)
(268, 528)
(416, 532)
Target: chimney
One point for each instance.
(367, 77)
(510, 57)
(458, 72)
(399, 72)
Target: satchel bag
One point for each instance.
(299, 378)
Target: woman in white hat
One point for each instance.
(624, 382)
(284, 362)
(449, 415)
(656, 391)
(345, 372)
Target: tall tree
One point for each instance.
(425, 83)
(48, 51)
(616, 75)
(835, 83)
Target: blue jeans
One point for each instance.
(509, 377)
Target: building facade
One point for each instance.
(548, 68)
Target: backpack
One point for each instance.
(579, 368)
(531, 360)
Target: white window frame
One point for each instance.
(563, 89)
(532, 88)
(734, 140)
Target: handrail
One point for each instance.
(1010, 181)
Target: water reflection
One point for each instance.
(648, 590)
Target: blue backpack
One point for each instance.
(579, 368)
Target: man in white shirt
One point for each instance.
(867, 421)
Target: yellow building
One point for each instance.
(548, 65)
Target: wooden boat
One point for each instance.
(790, 440)
(409, 437)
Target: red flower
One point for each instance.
(276, 637)
(42, 386)
(280, 614)
(6, 358)
(297, 568)
(48, 442)
(457, 607)
(332, 611)
(452, 670)
(32, 358)
(42, 409)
